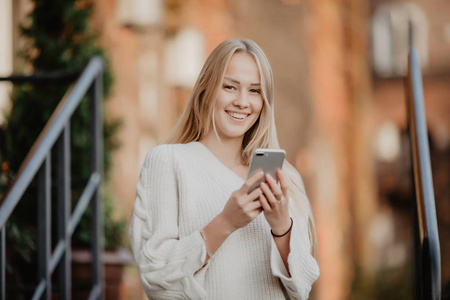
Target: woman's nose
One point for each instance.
(241, 99)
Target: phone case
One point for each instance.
(267, 160)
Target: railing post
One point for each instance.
(430, 258)
(96, 94)
(2, 264)
(64, 198)
(44, 230)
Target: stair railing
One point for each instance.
(427, 247)
(37, 164)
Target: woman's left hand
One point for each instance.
(275, 202)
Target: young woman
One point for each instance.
(195, 231)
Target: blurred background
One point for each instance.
(339, 68)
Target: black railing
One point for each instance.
(37, 165)
(428, 256)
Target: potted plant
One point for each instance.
(115, 257)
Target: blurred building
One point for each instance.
(340, 112)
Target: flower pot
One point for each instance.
(113, 262)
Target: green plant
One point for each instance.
(59, 39)
(114, 226)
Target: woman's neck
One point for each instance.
(228, 151)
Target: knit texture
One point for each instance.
(182, 187)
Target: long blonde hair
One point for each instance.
(195, 121)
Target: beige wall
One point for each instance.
(6, 55)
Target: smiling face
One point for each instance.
(240, 102)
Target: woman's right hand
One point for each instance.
(242, 208)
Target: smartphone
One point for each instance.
(267, 160)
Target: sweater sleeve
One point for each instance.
(166, 263)
(303, 268)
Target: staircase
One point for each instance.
(37, 167)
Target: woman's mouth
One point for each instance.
(238, 116)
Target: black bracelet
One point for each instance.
(292, 222)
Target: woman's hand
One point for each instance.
(275, 202)
(242, 208)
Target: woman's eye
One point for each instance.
(229, 87)
(255, 91)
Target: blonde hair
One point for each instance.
(195, 121)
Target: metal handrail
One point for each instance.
(43, 77)
(37, 163)
(428, 256)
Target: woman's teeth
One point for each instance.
(237, 115)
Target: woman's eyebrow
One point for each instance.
(237, 82)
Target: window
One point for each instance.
(396, 27)
(185, 57)
(140, 13)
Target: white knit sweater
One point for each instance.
(181, 189)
